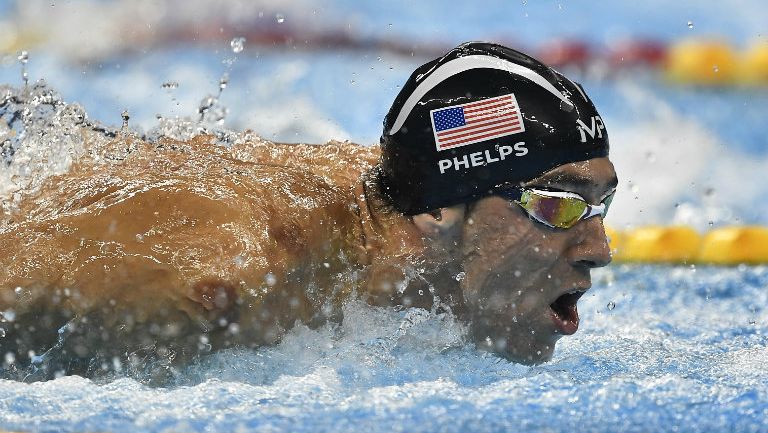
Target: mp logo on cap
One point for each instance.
(473, 122)
(596, 127)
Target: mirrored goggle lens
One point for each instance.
(560, 212)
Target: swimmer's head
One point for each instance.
(501, 162)
(480, 116)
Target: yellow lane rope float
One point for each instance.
(680, 244)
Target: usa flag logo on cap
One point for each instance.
(461, 125)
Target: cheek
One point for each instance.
(507, 263)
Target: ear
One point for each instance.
(443, 225)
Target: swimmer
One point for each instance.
(486, 197)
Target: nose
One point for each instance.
(590, 248)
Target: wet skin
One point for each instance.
(516, 268)
(181, 238)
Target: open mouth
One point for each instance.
(565, 315)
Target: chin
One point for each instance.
(530, 353)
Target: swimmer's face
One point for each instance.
(522, 278)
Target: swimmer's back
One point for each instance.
(190, 232)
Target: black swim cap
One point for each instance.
(480, 116)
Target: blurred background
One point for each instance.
(682, 86)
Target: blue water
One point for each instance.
(659, 349)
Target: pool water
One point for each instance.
(659, 349)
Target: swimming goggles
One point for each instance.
(556, 209)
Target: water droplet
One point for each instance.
(237, 44)
(715, 69)
(23, 59)
(690, 24)
(206, 105)
(10, 358)
(126, 116)
(280, 18)
(18, 290)
(326, 265)
(139, 237)
(8, 315)
(223, 82)
(421, 292)
(233, 328)
(170, 85)
(518, 273)
(270, 279)
(650, 157)
(460, 276)
(611, 305)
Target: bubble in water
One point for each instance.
(690, 24)
(460, 276)
(237, 44)
(280, 18)
(611, 305)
